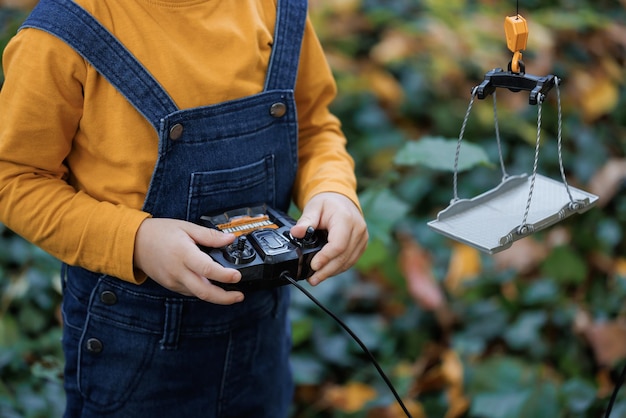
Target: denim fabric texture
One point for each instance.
(137, 351)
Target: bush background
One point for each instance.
(536, 331)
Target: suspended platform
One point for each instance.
(490, 222)
(521, 204)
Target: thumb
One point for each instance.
(209, 237)
(310, 217)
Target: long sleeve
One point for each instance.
(325, 165)
(76, 158)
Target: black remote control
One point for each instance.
(264, 249)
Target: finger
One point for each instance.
(338, 256)
(331, 260)
(209, 237)
(202, 265)
(299, 229)
(203, 289)
(310, 217)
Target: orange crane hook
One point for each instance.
(516, 30)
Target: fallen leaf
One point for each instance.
(598, 94)
(620, 267)
(465, 264)
(384, 86)
(608, 341)
(523, 256)
(18, 4)
(417, 269)
(452, 368)
(605, 183)
(394, 46)
(604, 382)
(395, 410)
(349, 398)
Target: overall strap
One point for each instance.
(80, 30)
(288, 31)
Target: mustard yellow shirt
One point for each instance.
(76, 158)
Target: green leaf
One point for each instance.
(499, 405)
(439, 154)
(565, 265)
(579, 395)
(525, 332)
(375, 254)
(544, 291)
(383, 210)
(9, 331)
(543, 401)
(307, 370)
(301, 330)
(508, 387)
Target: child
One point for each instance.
(121, 123)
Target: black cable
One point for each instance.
(619, 383)
(285, 275)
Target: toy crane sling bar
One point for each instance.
(520, 205)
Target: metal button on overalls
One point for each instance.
(108, 298)
(278, 109)
(176, 132)
(94, 345)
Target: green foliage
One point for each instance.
(524, 329)
(30, 353)
(10, 19)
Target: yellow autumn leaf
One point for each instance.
(452, 368)
(395, 410)
(349, 398)
(394, 46)
(465, 264)
(386, 88)
(620, 267)
(597, 93)
(337, 6)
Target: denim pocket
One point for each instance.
(218, 190)
(78, 284)
(113, 355)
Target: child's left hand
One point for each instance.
(347, 233)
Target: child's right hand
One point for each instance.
(166, 250)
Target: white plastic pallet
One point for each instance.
(491, 221)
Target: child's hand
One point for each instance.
(347, 233)
(166, 250)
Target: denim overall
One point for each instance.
(144, 351)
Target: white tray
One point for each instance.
(491, 221)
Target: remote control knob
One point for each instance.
(240, 251)
(308, 240)
(309, 235)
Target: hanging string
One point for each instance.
(524, 228)
(497, 126)
(557, 81)
(458, 146)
